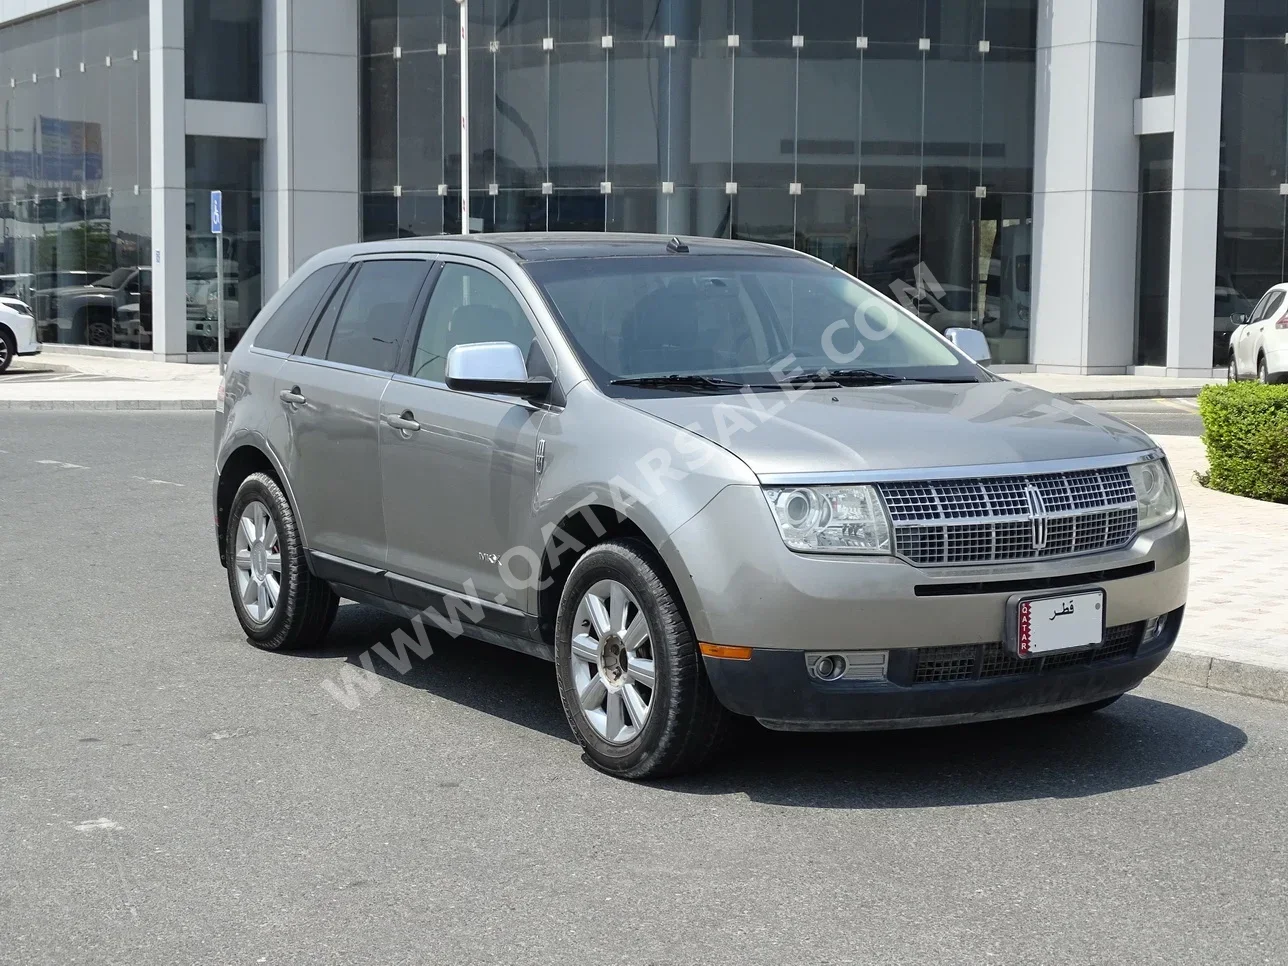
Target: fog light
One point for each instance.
(829, 667)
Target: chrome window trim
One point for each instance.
(913, 474)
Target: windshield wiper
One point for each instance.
(675, 381)
(829, 379)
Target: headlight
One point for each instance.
(830, 519)
(1155, 493)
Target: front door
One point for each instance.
(330, 397)
(459, 469)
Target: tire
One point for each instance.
(1263, 373)
(1232, 368)
(99, 334)
(8, 349)
(305, 606)
(1084, 710)
(685, 725)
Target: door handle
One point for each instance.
(405, 424)
(292, 396)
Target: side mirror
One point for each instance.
(493, 367)
(1238, 319)
(972, 342)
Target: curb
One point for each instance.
(108, 405)
(1182, 392)
(1232, 677)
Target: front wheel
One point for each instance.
(8, 349)
(1232, 368)
(630, 676)
(278, 601)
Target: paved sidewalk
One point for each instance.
(1235, 636)
(132, 383)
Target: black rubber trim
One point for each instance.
(1031, 583)
(339, 571)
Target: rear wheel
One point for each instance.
(8, 349)
(1263, 371)
(278, 601)
(630, 676)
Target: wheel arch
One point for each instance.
(581, 528)
(247, 457)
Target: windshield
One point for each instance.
(750, 319)
(114, 280)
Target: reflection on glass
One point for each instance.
(233, 166)
(817, 143)
(74, 168)
(222, 49)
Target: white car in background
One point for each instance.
(1259, 344)
(17, 331)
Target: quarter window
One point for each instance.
(468, 305)
(281, 333)
(369, 326)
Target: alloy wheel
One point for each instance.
(4, 353)
(612, 662)
(257, 559)
(1263, 374)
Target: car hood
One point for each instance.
(898, 427)
(91, 291)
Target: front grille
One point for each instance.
(990, 519)
(936, 665)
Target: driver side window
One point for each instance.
(467, 305)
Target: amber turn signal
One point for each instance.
(729, 651)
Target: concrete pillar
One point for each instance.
(311, 162)
(169, 228)
(1085, 185)
(1196, 155)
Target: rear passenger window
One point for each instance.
(282, 332)
(369, 326)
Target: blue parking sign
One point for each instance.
(217, 212)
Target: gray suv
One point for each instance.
(706, 479)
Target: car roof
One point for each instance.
(545, 246)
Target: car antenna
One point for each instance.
(677, 247)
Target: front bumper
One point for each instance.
(777, 688)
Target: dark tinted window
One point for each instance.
(223, 51)
(1273, 301)
(371, 322)
(282, 332)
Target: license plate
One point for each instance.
(1049, 625)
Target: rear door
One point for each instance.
(329, 394)
(1250, 337)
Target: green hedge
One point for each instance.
(1246, 435)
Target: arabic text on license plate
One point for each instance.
(1049, 624)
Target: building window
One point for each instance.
(75, 172)
(233, 166)
(892, 139)
(1250, 244)
(223, 50)
(1154, 249)
(1158, 52)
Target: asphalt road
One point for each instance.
(1168, 417)
(169, 794)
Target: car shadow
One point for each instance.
(1137, 742)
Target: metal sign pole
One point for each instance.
(219, 272)
(465, 116)
(217, 229)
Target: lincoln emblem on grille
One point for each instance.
(1038, 511)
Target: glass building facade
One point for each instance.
(893, 139)
(1252, 229)
(75, 169)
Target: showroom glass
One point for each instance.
(467, 305)
(74, 85)
(1153, 249)
(222, 50)
(1250, 244)
(1158, 50)
(738, 317)
(585, 136)
(235, 167)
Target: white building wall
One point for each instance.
(169, 237)
(1086, 160)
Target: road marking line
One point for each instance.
(97, 824)
(66, 466)
(1184, 405)
(165, 482)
